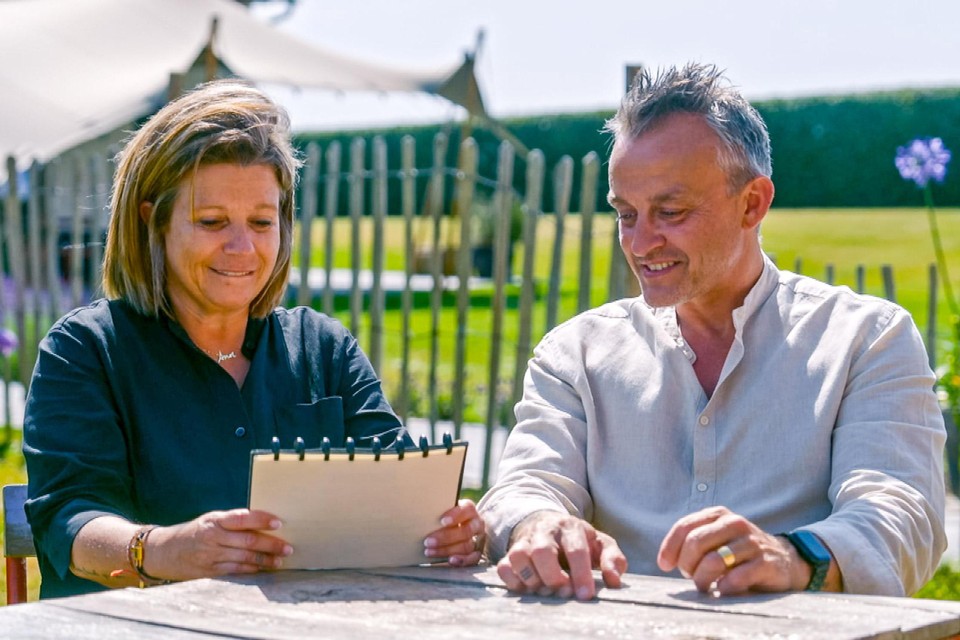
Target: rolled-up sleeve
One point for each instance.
(886, 529)
(74, 446)
(543, 466)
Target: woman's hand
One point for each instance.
(216, 543)
(460, 539)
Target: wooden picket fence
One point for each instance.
(52, 249)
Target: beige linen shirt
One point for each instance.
(824, 418)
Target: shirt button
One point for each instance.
(704, 421)
(702, 486)
(240, 432)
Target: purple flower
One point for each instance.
(8, 342)
(923, 160)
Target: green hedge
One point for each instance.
(827, 152)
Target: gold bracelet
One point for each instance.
(136, 555)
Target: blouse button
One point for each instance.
(240, 432)
(702, 487)
(704, 421)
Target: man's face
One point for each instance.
(686, 237)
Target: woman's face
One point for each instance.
(223, 239)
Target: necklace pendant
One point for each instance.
(221, 356)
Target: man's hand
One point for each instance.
(546, 543)
(759, 561)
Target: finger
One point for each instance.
(464, 511)
(730, 531)
(613, 563)
(462, 547)
(670, 548)
(576, 547)
(522, 565)
(254, 541)
(715, 565)
(510, 577)
(467, 560)
(245, 519)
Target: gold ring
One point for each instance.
(727, 555)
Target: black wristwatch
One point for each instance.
(814, 553)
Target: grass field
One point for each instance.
(843, 238)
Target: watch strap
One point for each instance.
(814, 553)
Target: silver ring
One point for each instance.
(526, 574)
(727, 555)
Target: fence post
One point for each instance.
(466, 183)
(16, 260)
(562, 186)
(356, 182)
(55, 174)
(531, 214)
(504, 204)
(889, 291)
(331, 199)
(932, 316)
(376, 288)
(409, 204)
(861, 277)
(308, 211)
(81, 170)
(29, 344)
(588, 198)
(98, 221)
(435, 210)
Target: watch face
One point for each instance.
(810, 547)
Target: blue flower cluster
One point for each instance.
(923, 160)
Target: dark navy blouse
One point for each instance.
(126, 416)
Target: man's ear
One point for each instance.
(146, 210)
(756, 198)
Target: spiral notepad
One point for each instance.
(355, 508)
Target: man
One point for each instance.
(752, 429)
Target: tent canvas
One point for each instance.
(78, 69)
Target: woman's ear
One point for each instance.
(146, 210)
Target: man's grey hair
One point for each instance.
(699, 89)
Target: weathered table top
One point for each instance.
(433, 602)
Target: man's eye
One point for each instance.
(670, 213)
(626, 215)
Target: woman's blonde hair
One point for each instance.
(224, 121)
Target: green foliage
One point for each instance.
(832, 151)
(945, 584)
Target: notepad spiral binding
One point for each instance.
(350, 448)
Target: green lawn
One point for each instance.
(843, 238)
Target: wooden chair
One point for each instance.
(17, 542)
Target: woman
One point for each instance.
(144, 407)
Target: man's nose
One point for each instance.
(642, 238)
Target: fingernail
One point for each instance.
(430, 542)
(565, 591)
(583, 593)
(275, 523)
(455, 561)
(684, 573)
(287, 550)
(544, 592)
(446, 521)
(429, 553)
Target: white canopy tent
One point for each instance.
(73, 70)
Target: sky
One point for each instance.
(560, 56)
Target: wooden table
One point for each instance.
(431, 602)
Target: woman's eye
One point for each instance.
(265, 223)
(210, 223)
